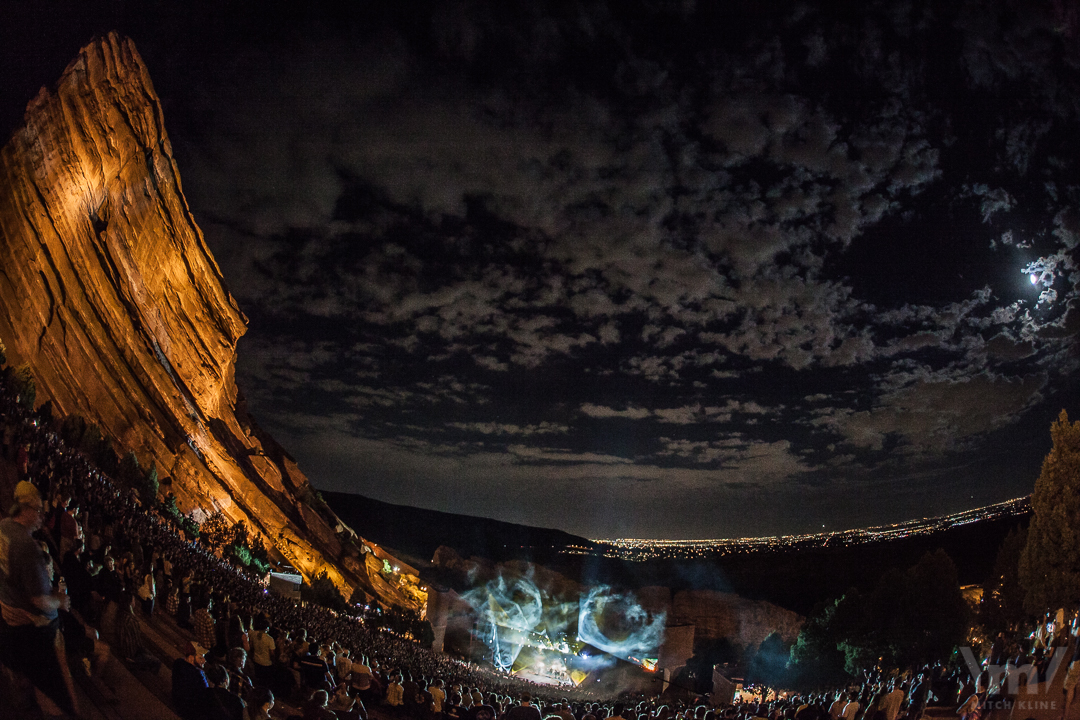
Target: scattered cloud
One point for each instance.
(773, 280)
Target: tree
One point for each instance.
(90, 441)
(169, 508)
(1003, 595)
(215, 531)
(358, 597)
(816, 658)
(260, 557)
(237, 539)
(423, 633)
(129, 473)
(323, 591)
(190, 527)
(1050, 562)
(239, 536)
(45, 415)
(72, 430)
(148, 487)
(241, 553)
(935, 615)
(107, 460)
(911, 617)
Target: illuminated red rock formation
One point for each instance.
(746, 622)
(109, 291)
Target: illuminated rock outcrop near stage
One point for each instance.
(109, 291)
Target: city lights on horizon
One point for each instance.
(641, 549)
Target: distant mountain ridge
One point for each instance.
(420, 532)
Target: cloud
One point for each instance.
(937, 415)
(681, 416)
(491, 428)
(466, 277)
(601, 411)
(491, 363)
(531, 454)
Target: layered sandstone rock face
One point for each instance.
(745, 622)
(109, 291)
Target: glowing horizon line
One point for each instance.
(902, 524)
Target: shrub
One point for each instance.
(148, 488)
(192, 528)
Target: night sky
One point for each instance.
(632, 269)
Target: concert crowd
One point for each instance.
(119, 566)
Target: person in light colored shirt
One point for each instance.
(395, 694)
(852, 707)
(343, 666)
(437, 695)
(262, 645)
(891, 702)
(836, 710)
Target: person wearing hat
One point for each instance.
(29, 606)
(189, 686)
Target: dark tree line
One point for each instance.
(909, 618)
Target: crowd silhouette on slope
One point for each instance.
(117, 564)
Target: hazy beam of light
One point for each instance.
(506, 609)
(616, 623)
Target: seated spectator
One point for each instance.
(342, 664)
(314, 672)
(345, 706)
(395, 694)
(189, 685)
(220, 704)
(316, 708)
(130, 636)
(262, 702)
(239, 682)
